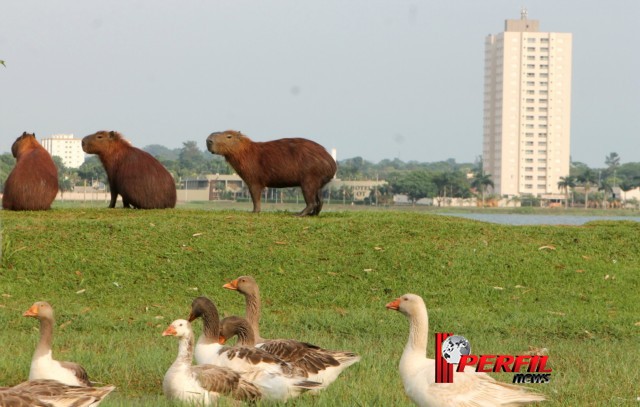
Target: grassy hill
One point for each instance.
(117, 278)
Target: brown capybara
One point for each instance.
(283, 163)
(133, 174)
(33, 182)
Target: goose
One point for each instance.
(202, 384)
(276, 379)
(468, 388)
(43, 366)
(45, 392)
(320, 365)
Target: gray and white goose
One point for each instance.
(201, 384)
(43, 366)
(320, 365)
(51, 393)
(276, 379)
(323, 365)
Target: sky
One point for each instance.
(372, 79)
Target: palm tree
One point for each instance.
(564, 184)
(587, 179)
(481, 182)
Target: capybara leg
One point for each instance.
(126, 203)
(255, 192)
(318, 206)
(309, 198)
(114, 198)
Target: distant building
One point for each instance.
(66, 147)
(527, 108)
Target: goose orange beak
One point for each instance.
(170, 331)
(221, 339)
(233, 285)
(394, 305)
(31, 312)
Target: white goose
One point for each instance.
(468, 388)
(203, 384)
(43, 366)
(51, 393)
(276, 379)
(320, 365)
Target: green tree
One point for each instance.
(481, 182)
(415, 184)
(7, 162)
(565, 184)
(92, 170)
(64, 180)
(587, 179)
(191, 159)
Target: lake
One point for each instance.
(522, 219)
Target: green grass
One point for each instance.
(117, 278)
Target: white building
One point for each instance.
(65, 147)
(527, 108)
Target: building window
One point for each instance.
(531, 66)
(531, 83)
(542, 100)
(528, 169)
(531, 92)
(528, 186)
(528, 160)
(544, 49)
(544, 40)
(543, 109)
(530, 100)
(531, 49)
(542, 143)
(531, 58)
(530, 108)
(529, 117)
(544, 75)
(529, 143)
(528, 178)
(544, 66)
(542, 178)
(531, 39)
(544, 83)
(541, 186)
(528, 134)
(542, 126)
(531, 75)
(528, 152)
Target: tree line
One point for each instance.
(442, 179)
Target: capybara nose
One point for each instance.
(209, 142)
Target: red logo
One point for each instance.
(458, 351)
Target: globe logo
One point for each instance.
(454, 347)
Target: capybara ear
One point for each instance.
(24, 134)
(112, 134)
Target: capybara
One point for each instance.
(283, 163)
(133, 174)
(33, 182)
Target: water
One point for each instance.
(521, 219)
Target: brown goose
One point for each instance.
(322, 365)
(276, 379)
(43, 366)
(319, 364)
(45, 393)
(202, 384)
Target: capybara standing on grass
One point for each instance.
(283, 163)
(133, 174)
(33, 182)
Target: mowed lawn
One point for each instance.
(117, 278)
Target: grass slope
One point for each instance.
(117, 278)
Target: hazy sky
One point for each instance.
(376, 79)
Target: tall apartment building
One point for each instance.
(65, 147)
(527, 108)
